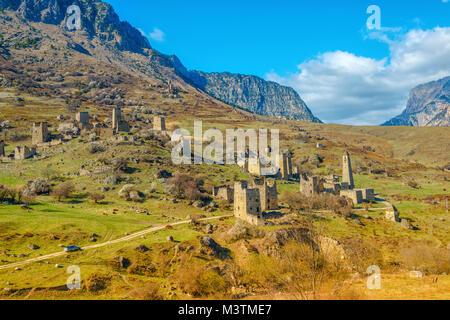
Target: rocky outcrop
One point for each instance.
(253, 94)
(97, 19)
(428, 106)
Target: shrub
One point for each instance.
(413, 184)
(149, 292)
(427, 258)
(97, 282)
(28, 199)
(96, 147)
(325, 201)
(120, 164)
(361, 254)
(96, 197)
(7, 194)
(199, 282)
(184, 186)
(63, 190)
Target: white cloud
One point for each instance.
(156, 35)
(341, 87)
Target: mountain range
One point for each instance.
(41, 26)
(428, 106)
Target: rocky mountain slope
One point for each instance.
(254, 94)
(34, 33)
(428, 106)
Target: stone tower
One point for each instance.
(286, 165)
(268, 194)
(40, 133)
(347, 175)
(309, 186)
(2, 149)
(83, 117)
(247, 203)
(159, 124)
(116, 118)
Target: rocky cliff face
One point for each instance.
(97, 19)
(428, 105)
(254, 94)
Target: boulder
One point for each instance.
(209, 228)
(209, 243)
(125, 191)
(111, 180)
(392, 214)
(406, 225)
(37, 187)
(141, 248)
(134, 196)
(163, 174)
(124, 262)
(33, 246)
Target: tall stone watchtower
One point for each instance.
(286, 165)
(2, 148)
(159, 124)
(116, 118)
(347, 174)
(268, 194)
(40, 133)
(83, 117)
(247, 203)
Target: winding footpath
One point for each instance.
(107, 243)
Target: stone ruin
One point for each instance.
(22, 153)
(225, 193)
(82, 119)
(2, 148)
(392, 214)
(159, 123)
(118, 124)
(40, 133)
(247, 204)
(286, 166)
(268, 194)
(251, 200)
(309, 186)
(331, 184)
(348, 186)
(347, 173)
(285, 170)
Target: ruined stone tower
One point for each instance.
(2, 149)
(347, 175)
(118, 124)
(40, 133)
(247, 203)
(268, 194)
(309, 186)
(159, 124)
(116, 118)
(286, 165)
(82, 118)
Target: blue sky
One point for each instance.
(296, 42)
